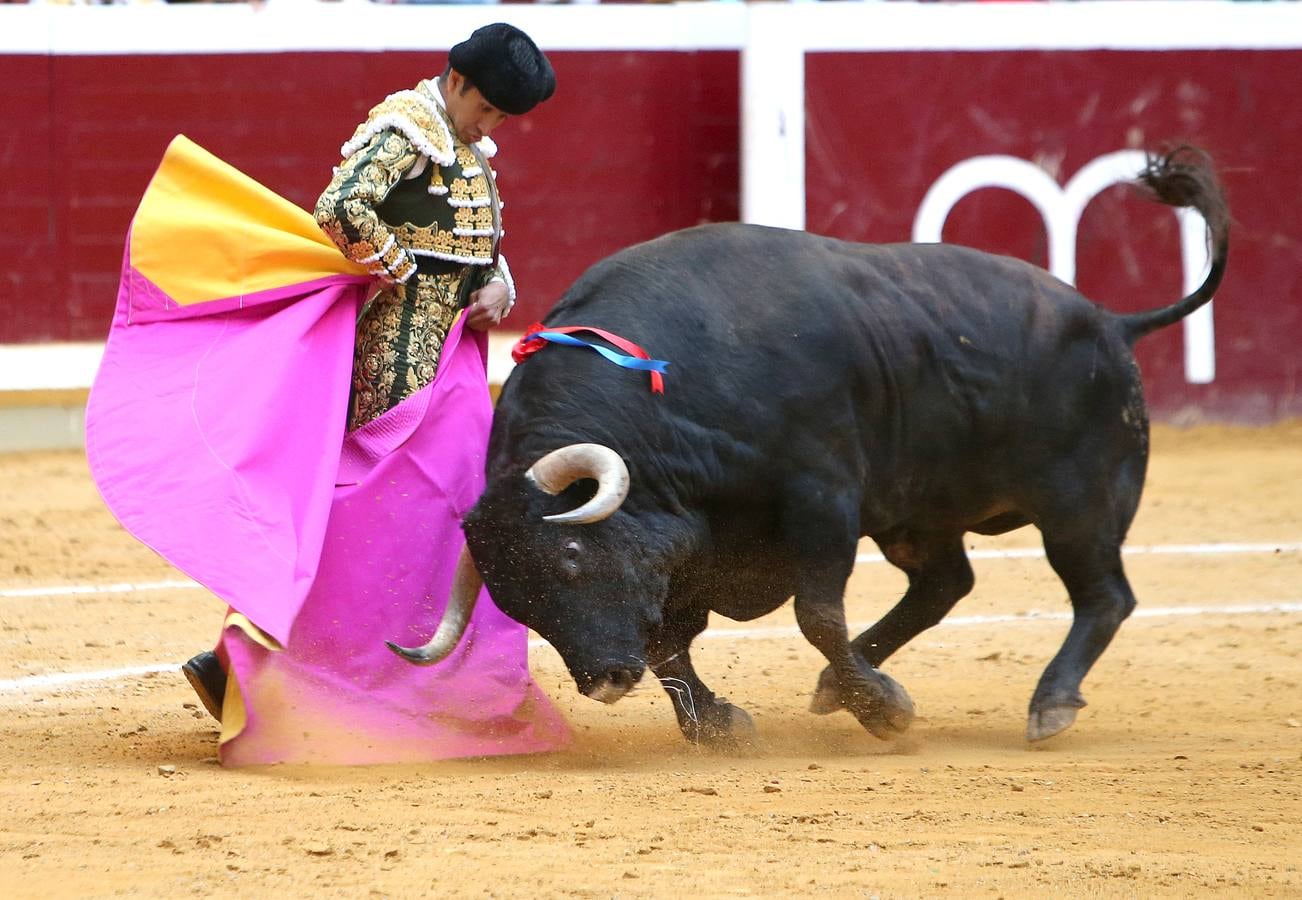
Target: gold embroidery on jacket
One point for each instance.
(417, 115)
(479, 218)
(433, 241)
(346, 210)
(399, 339)
(469, 189)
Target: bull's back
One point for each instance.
(738, 306)
(789, 349)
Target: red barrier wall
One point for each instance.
(882, 127)
(639, 143)
(634, 145)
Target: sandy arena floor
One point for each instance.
(1182, 778)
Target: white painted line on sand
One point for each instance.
(33, 683)
(1157, 612)
(78, 590)
(1154, 550)
(37, 683)
(71, 590)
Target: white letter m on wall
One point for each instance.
(1061, 209)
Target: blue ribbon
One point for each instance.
(619, 359)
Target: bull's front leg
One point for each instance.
(703, 718)
(824, 531)
(939, 576)
(877, 700)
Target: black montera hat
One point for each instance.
(507, 67)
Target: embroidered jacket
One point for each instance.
(411, 197)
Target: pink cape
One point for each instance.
(215, 433)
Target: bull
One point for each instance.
(820, 391)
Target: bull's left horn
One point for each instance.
(461, 603)
(562, 467)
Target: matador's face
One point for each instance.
(472, 116)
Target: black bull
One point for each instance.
(819, 391)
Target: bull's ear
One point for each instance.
(562, 467)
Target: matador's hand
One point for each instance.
(488, 306)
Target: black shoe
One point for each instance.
(208, 678)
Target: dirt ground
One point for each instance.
(1183, 777)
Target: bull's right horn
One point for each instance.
(461, 603)
(562, 467)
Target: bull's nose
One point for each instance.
(613, 685)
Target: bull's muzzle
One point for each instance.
(613, 685)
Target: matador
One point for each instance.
(415, 200)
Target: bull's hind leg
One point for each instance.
(826, 544)
(703, 718)
(1083, 530)
(1101, 600)
(939, 576)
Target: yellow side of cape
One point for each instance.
(234, 715)
(206, 231)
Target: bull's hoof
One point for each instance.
(892, 712)
(1046, 723)
(721, 726)
(881, 704)
(1052, 715)
(827, 696)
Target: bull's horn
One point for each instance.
(461, 603)
(562, 467)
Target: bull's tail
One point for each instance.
(1184, 178)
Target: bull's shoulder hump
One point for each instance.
(712, 235)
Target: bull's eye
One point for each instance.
(570, 557)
